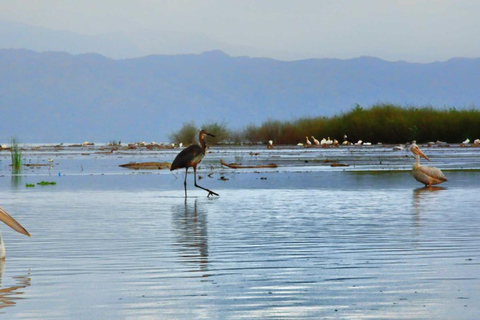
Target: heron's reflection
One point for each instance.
(9, 296)
(190, 226)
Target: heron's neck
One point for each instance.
(202, 141)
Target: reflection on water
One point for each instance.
(11, 294)
(16, 178)
(282, 245)
(425, 196)
(190, 227)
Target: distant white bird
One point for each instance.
(398, 147)
(359, 143)
(367, 143)
(270, 144)
(323, 142)
(329, 142)
(427, 175)
(467, 141)
(315, 141)
(308, 141)
(477, 141)
(345, 141)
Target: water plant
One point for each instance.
(46, 183)
(16, 154)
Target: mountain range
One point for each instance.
(61, 97)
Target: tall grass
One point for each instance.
(384, 123)
(188, 134)
(16, 154)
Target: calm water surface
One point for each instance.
(302, 241)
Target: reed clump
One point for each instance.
(188, 134)
(16, 154)
(385, 123)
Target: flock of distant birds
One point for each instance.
(329, 142)
(191, 156)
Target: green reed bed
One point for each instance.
(384, 123)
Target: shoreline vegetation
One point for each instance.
(381, 123)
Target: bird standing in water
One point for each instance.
(191, 157)
(12, 223)
(427, 175)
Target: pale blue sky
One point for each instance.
(412, 30)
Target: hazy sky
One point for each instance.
(412, 30)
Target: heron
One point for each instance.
(191, 157)
(12, 223)
(424, 174)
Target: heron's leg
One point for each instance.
(210, 192)
(185, 181)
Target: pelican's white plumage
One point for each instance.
(12, 223)
(309, 143)
(429, 176)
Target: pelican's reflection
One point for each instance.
(422, 199)
(190, 227)
(10, 295)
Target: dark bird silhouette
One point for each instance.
(191, 157)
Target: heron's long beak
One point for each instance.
(420, 153)
(12, 223)
(209, 134)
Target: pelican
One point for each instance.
(12, 223)
(477, 141)
(427, 175)
(467, 141)
(315, 141)
(308, 141)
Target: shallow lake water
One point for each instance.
(302, 241)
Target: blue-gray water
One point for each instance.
(304, 240)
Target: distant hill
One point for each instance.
(59, 97)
